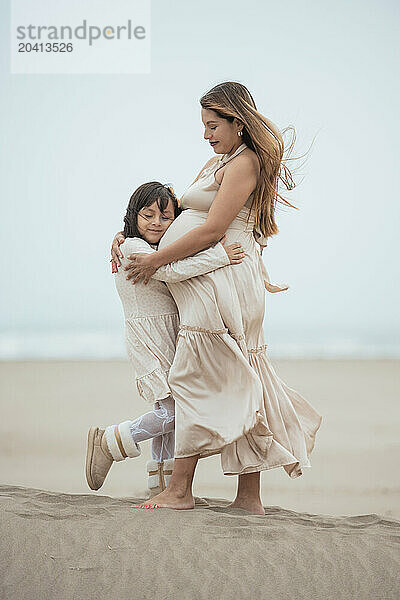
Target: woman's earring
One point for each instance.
(240, 133)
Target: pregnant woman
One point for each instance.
(229, 400)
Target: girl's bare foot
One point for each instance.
(170, 499)
(253, 506)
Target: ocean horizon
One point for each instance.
(103, 345)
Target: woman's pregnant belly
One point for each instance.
(230, 297)
(186, 221)
(189, 219)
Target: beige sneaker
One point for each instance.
(98, 458)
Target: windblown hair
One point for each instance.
(145, 195)
(231, 99)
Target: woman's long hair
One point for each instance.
(231, 99)
(145, 195)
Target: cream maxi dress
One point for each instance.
(228, 397)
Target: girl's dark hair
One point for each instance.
(145, 195)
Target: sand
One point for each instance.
(332, 533)
(85, 546)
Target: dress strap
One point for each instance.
(225, 158)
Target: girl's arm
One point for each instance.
(239, 181)
(192, 266)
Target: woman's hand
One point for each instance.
(116, 253)
(142, 266)
(234, 251)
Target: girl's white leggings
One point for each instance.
(159, 426)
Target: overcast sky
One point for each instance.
(74, 148)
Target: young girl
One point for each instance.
(151, 328)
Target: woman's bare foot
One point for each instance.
(253, 506)
(178, 494)
(248, 494)
(171, 499)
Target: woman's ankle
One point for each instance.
(180, 488)
(248, 497)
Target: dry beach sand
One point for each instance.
(81, 546)
(332, 533)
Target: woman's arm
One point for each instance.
(239, 181)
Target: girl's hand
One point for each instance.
(141, 267)
(235, 252)
(116, 253)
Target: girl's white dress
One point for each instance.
(228, 397)
(151, 315)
